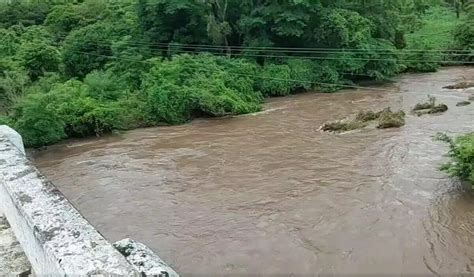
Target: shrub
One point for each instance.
(38, 58)
(104, 85)
(327, 79)
(37, 122)
(13, 84)
(461, 153)
(86, 49)
(302, 71)
(67, 110)
(5, 120)
(190, 86)
(274, 80)
(420, 61)
(464, 40)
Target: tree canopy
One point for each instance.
(89, 67)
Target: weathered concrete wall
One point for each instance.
(144, 259)
(13, 260)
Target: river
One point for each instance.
(268, 193)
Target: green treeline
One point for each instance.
(90, 67)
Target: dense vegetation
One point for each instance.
(461, 154)
(90, 67)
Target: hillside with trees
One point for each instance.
(86, 68)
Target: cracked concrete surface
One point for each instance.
(12, 258)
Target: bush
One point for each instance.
(274, 80)
(86, 49)
(104, 85)
(190, 86)
(327, 79)
(464, 40)
(420, 61)
(13, 84)
(67, 110)
(38, 58)
(303, 71)
(5, 120)
(37, 122)
(461, 153)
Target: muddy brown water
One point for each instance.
(269, 194)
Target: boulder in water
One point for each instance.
(461, 85)
(463, 103)
(389, 119)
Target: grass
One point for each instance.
(437, 28)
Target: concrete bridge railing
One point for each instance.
(55, 237)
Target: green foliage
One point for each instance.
(9, 43)
(87, 49)
(38, 58)
(342, 28)
(464, 39)
(327, 76)
(436, 33)
(426, 60)
(105, 85)
(37, 121)
(13, 83)
(275, 80)
(87, 67)
(461, 153)
(302, 71)
(5, 120)
(173, 20)
(187, 86)
(23, 12)
(66, 17)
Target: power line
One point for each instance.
(244, 55)
(457, 52)
(286, 49)
(256, 76)
(334, 58)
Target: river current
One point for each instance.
(268, 193)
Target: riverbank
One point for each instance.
(270, 194)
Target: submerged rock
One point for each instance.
(386, 119)
(429, 107)
(463, 103)
(461, 85)
(342, 125)
(389, 119)
(365, 116)
(471, 97)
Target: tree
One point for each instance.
(27, 13)
(178, 21)
(38, 57)
(86, 49)
(218, 28)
